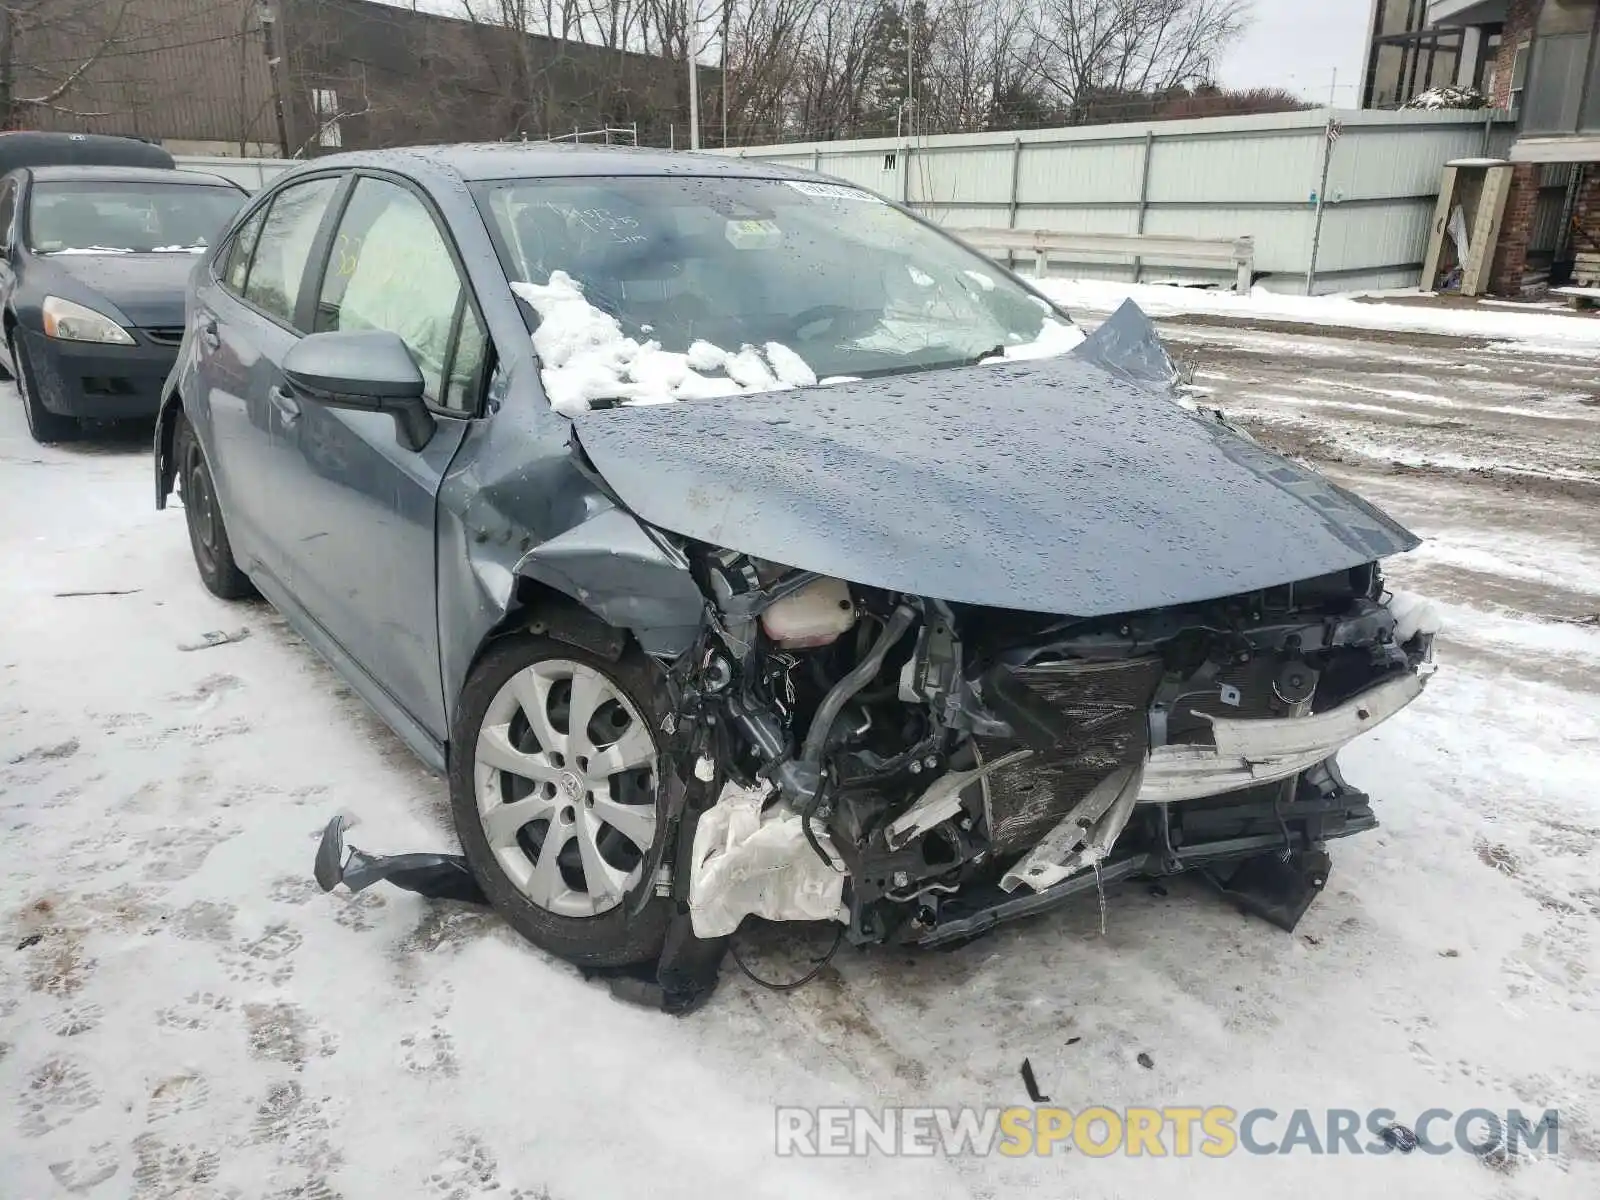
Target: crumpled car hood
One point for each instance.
(1058, 486)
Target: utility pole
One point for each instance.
(694, 100)
(692, 19)
(1332, 132)
(727, 8)
(269, 32)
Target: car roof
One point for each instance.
(536, 160)
(34, 148)
(124, 175)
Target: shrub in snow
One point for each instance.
(1449, 97)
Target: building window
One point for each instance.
(325, 108)
(1408, 57)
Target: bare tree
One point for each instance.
(1108, 48)
(47, 47)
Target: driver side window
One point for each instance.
(390, 268)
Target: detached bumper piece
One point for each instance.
(436, 876)
(679, 982)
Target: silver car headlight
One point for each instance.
(73, 322)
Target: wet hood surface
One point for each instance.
(1049, 487)
(148, 289)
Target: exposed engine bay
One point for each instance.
(921, 771)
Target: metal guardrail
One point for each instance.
(1238, 253)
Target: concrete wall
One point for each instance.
(1226, 177)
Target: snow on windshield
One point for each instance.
(585, 357)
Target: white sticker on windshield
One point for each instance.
(753, 235)
(832, 191)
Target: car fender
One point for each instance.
(626, 575)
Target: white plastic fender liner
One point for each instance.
(753, 863)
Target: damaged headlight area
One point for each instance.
(926, 770)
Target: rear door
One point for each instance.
(363, 542)
(243, 326)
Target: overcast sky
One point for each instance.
(1298, 44)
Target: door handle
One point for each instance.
(284, 403)
(209, 335)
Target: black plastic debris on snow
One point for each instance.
(1145, 1061)
(436, 876)
(33, 939)
(1398, 1136)
(678, 983)
(1032, 1084)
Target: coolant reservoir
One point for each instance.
(814, 616)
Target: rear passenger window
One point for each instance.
(284, 245)
(239, 252)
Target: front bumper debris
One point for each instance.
(1252, 752)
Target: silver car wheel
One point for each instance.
(565, 778)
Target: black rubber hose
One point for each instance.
(833, 704)
(841, 693)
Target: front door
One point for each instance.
(243, 326)
(363, 542)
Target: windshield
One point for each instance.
(128, 218)
(654, 289)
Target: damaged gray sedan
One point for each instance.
(739, 544)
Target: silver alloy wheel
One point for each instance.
(565, 779)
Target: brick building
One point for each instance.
(353, 74)
(1540, 58)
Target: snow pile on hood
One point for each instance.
(586, 357)
(1414, 614)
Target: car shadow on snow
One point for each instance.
(107, 438)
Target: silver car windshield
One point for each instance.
(849, 284)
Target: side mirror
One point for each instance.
(367, 371)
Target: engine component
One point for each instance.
(800, 778)
(816, 615)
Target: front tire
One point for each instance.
(554, 787)
(44, 425)
(208, 534)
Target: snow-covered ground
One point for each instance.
(195, 1020)
(1543, 332)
